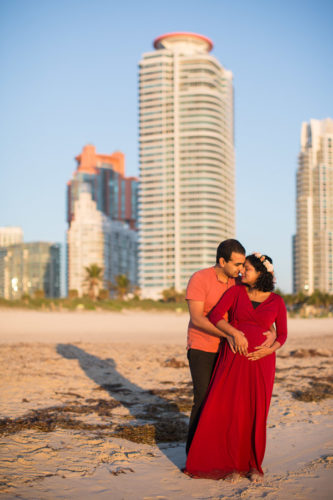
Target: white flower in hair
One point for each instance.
(268, 266)
(266, 262)
(260, 256)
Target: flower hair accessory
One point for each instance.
(267, 264)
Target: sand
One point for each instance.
(96, 405)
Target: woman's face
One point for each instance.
(250, 275)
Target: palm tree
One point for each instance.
(122, 285)
(93, 280)
(171, 295)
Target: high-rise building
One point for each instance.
(187, 170)
(9, 235)
(313, 241)
(102, 218)
(93, 238)
(88, 241)
(28, 267)
(115, 194)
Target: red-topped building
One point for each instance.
(102, 220)
(104, 176)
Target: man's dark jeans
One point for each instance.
(202, 366)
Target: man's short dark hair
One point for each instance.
(226, 248)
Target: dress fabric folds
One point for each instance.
(231, 433)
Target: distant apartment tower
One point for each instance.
(102, 218)
(88, 241)
(93, 238)
(9, 235)
(187, 171)
(313, 241)
(28, 267)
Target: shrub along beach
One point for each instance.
(317, 305)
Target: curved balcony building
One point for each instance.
(187, 171)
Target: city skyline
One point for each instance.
(61, 89)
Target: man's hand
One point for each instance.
(270, 338)
(231, 343)
(240, 343)
(260, 352)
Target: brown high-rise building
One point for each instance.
(114, 194)
(102, 219)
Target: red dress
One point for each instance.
(231, 434)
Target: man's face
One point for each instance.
(234, 266)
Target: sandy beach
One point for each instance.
(96, 405)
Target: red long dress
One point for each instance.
(231, 433)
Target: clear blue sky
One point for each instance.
(69, 77)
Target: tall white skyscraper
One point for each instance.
(187, 171)
(313, 241)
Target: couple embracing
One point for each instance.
(232, 380)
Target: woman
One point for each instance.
(231, 435)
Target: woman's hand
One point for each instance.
(270, 337)
(240, 342)
(259, 353)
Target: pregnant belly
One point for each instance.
(254, 334)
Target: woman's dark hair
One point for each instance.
(226, 248)
(265, 281)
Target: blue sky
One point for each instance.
(69, 77)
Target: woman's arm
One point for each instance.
(199, 320)
(196, 310)
(281, 335)
(239, 341)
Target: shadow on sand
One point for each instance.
(156, 415)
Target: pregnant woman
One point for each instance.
(230, 438)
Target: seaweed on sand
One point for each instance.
(162, 431)
(155, 422)
(48, 419)
(316, 392)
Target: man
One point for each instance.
(204, 290)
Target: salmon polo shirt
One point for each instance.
(205, 287)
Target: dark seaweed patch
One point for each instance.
(162, 431)
(173, 363)
(316, 392)
(48, 419)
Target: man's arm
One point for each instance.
(270, 338)
(235, 338)
(196, 310)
